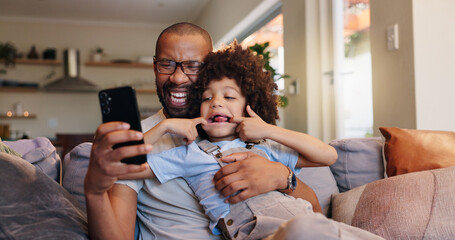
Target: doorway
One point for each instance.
(351, 75)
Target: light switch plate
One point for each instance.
(392, 37)
(294, 88)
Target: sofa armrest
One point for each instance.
(41, 153)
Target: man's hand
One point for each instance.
(250, 173)
(105, 166)
(251, 128)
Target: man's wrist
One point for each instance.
(291, 182)
(281, 176)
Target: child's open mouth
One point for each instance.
(218, 119)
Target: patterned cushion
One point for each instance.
(409, 206)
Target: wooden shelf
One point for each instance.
(18, 89)
(123, 65)
(35, 89)
(35, 61)
(31, 116)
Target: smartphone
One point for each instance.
(120, 104)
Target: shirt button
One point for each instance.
(230, 222)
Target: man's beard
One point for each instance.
(173, 112)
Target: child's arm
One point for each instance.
(312, 151)
(180, 126)
(183, 127)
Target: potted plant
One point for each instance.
(8, 52)
(260, 49)
(98, 54)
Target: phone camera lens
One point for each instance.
(103, 96)
(106, 110)
(104, 103)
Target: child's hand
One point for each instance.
(184, 127)
(251, 128)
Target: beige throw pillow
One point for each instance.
(418, 205)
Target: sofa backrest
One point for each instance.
(359, 162)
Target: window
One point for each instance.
(272, 32)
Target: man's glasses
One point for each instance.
(165, 66)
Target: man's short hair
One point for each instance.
(185, 28)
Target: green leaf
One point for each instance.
(261, 50)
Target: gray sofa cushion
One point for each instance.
(75, 168)
(359, 162)
(41, 153)
(33, 206)
(321, 180)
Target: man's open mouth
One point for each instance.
(218, 119)
(178, 98)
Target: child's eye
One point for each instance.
(206, 99)
(229, 97)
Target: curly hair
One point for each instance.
(247, 69)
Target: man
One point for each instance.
(168, 211)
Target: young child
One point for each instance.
(231, 84)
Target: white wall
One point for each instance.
(295, 30)
(220, 16)
(393, 71)
(434, 56)
(413, 86)
(74, 112)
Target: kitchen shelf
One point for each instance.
(35, 61)
(31, 116)
(18, 89)
(35, 89)
(123, 65)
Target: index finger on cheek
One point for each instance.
(235, 119)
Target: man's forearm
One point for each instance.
(112, 215)
(101, 218)
(303, 191)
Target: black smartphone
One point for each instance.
(120, 104)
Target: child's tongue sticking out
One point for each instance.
(220, 118)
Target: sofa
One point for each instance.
(368, 187)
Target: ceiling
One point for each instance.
(148, 12)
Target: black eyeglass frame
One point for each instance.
(181, 64)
